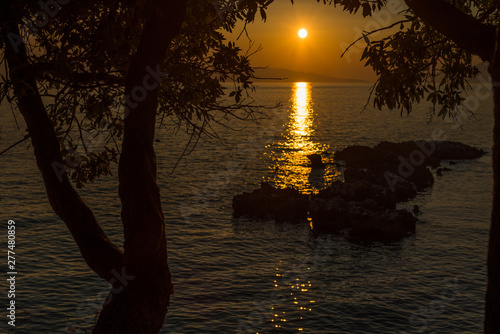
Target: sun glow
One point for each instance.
(302, 33)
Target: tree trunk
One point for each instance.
(99, 252)
(140, 277)
(139, 305)
(492, 310)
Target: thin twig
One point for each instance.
(372, 32)
(15, 144)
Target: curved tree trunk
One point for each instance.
(139, 303)
(99, 252)
(140, 277)
(492, 310)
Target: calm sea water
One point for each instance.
(261, 276)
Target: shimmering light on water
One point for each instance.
(299, 301)
(300, 127)
(292, 167)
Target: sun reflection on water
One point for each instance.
(291, 166)
(301, 120)
(289, 315)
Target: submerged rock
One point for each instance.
(268, 202)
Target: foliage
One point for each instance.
(414, 62)
(81, 56)
(367, 7)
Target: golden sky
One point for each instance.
(330, 31)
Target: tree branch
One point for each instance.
(364, 36)
(466, 31)
(15, 144)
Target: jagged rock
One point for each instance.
(268, 202)
(363, 221)
(358, 190)
(402, 161)
(420, 152)
(371, 205)
(364, 157)
(449, 150)
(329, 215)
(316, 161)
(400, 189)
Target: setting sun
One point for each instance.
(302, 33)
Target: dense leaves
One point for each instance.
(367, 7)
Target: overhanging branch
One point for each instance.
(466, 31)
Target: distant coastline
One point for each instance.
(286, 75)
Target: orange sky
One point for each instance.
(330, 30)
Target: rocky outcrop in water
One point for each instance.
(402, 166)
(363, 221)
(364, 205)
(268, 202)
(417, 153)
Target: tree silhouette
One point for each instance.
(69, 63)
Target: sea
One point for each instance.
(258, 276)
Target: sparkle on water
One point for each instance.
(291, 163)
